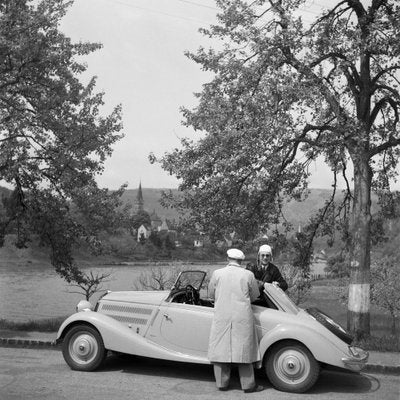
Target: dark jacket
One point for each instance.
(272, 274)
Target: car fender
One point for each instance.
(323, 349)
(120, 338)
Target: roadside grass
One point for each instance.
(324, 297)
(385, 343)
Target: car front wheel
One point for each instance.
(83, 348)
(290, 367)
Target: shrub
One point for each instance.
(157, 278)
(298, 282)
(41, 325)
(385, 287)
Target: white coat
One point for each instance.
(233, 336)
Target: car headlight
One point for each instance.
(356, 352)
(84, 305)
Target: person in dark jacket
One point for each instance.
(265, 271)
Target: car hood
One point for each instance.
(143, 297)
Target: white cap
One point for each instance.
(236, 254)
(265, 249)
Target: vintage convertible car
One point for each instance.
(174, 325)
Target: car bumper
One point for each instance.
(357, 359)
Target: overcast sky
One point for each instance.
(142, 66)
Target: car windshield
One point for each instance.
(280, 298)
(194, 278)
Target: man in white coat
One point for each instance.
(233, 336)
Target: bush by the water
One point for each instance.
(40, 325)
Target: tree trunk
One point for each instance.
(393, 330)
(358, 317)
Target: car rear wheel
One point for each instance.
(290, 367)
(83, 348)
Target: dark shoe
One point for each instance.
(223, 388)
(257, 388)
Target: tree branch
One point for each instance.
(383, 72)
(357, 6)
(392, 142)
(379, 106)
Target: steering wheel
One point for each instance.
(192, 296)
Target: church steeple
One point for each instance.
(139, 198)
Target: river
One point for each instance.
(37, 292)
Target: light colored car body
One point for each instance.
(153, 324)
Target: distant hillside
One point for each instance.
(151, 200)
(298, 213)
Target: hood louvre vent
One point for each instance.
(126, 313)
(128, 320)
(126, 309)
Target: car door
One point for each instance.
(186, 327)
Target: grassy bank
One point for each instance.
(324, 296)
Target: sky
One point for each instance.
(142, 66)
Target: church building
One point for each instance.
(156, 223)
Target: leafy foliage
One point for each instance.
(140, 218)
(385, 289)
(337, 265)
(299, 284)
(12, 219)
(285, 93)
(53, 137)
(155, 239)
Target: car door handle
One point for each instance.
(167, 317)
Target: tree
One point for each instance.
(157, 278)
(155, 239)
(299, 285)
(13, 210)
(141, 218)
(284, 93)
(168, 242)
(142, 238)
(337, 265)
(89, 284)
(54, 138)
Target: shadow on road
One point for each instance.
(150, 366)
(338, 381)
(330, 380)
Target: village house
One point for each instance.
(143, 232)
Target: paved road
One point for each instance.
(42, 374)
